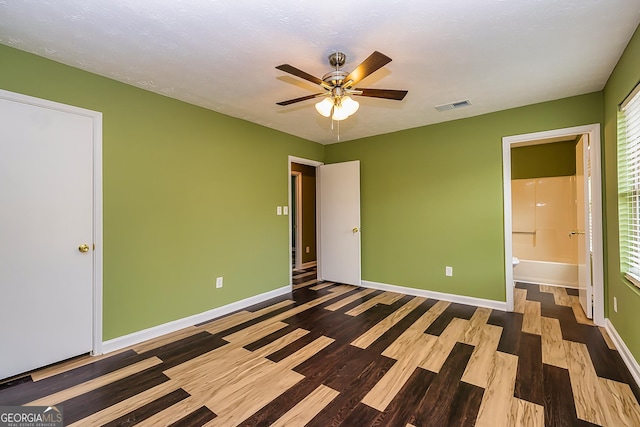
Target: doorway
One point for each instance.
(592, 185)
(301, 220)
(337, 200)
(303, 215)
(296, 219)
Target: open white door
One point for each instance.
(46, 224)
(583, 229)
(339, 222)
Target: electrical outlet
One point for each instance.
(615, 304)
(448, 271)
(218, 282)
(307, 249)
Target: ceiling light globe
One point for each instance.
(339, 113)
(324, 107)
(349, 105)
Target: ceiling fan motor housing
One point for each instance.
(337, 59)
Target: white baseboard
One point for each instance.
(626, 355)
(166, 328)
(460, 299)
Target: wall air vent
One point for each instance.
(453, 105)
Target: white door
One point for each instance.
(583, 232)
(339, 222)
(46, 214)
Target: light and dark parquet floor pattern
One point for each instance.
(336, 355)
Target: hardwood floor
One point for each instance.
(338, 355)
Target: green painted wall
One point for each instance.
(623, 79)
(432, 196)
(178, 212)
(544, 160)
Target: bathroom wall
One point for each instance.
(544, 212)
(541, 160)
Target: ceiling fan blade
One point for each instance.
(397, 95)
(303, 75)
(303, 98)
(374, 62)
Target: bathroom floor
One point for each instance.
(332, 354)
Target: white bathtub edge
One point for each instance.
(546, 273)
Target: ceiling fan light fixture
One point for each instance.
(350, 105)
(324, 107)
(339, 113)
(337, 84)
(344, 107)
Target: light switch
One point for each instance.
(285, 210)
(279, 210)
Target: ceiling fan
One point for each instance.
(338, 85)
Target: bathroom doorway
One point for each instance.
(556, 247)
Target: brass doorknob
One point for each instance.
(83, 248)
(355, 229)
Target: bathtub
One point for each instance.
(546, 273)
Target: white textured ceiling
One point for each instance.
(222, 54)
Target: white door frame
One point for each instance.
(96, 253)
(508, 142)
(298, 210)
(315, 164)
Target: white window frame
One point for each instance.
(629, 186)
